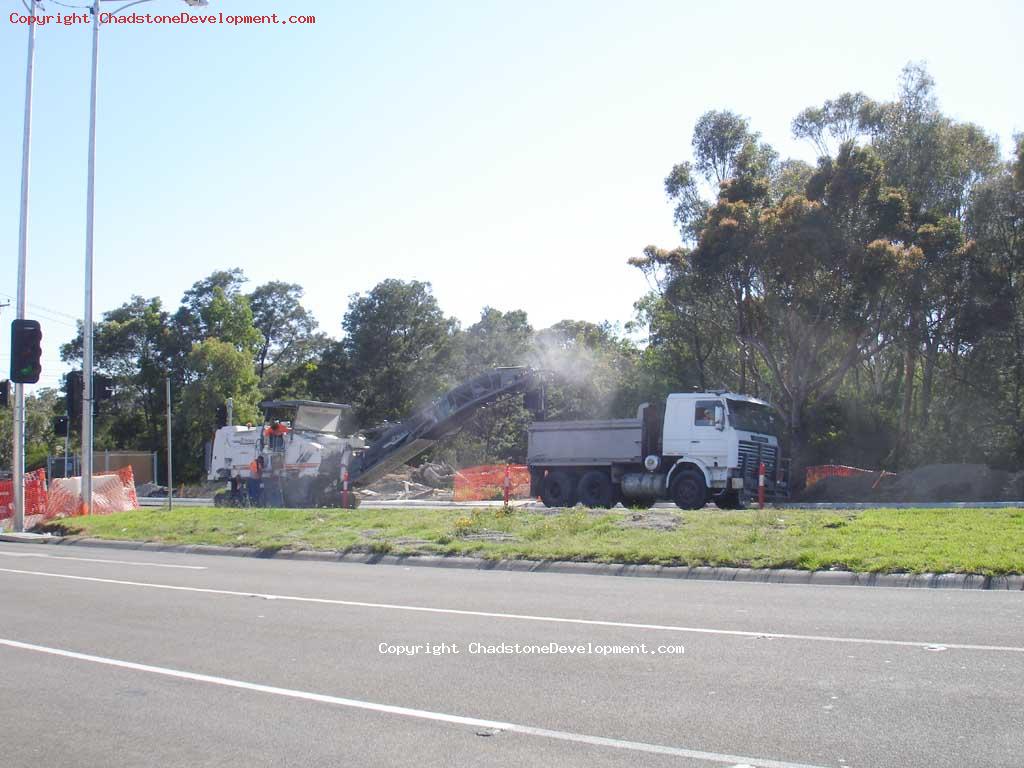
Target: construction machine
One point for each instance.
(313, 452)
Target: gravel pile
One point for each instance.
(930, 483)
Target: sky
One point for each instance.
(511, 154)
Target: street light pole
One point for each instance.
(90, 211)
(90, 215)
(18, 453)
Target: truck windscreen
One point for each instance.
(753, 417)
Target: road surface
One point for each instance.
(132, 658)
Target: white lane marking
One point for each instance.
(526, 617)
(421, 714)
(101, 560)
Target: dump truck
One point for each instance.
(697, 448)
(313, 453)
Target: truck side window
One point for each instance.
(704, 413)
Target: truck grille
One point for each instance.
(752, 454)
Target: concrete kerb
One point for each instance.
(1011, 582)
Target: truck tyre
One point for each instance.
(689, 491)
(558, 490)
(595, 489)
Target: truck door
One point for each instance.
(708, 439)
(691, 429)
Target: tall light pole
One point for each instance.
(18, 453)
(90, 211)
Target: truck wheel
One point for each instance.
(689, 491)
(595, 489)
(559, 489)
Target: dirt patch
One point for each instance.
(409, 541)
(930, 483)
(652, 520)
(489, 536)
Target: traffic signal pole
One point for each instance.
(18, 462)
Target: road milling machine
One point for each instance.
(314, 454)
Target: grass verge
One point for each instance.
(984, 541)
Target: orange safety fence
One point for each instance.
(821, 471)
(35, 495)
(487, 482)
(111, 492)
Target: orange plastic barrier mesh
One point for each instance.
(35, 496)
(487, 483)
(114, 492)
(820, 472)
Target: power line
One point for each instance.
(44, 308)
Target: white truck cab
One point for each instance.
(727, 435)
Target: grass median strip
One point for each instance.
(983, 541)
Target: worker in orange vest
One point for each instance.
(276, 433)
(255, 481)
(277, 428)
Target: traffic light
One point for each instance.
(102, 390)
(73, 394)
(104, 386)
(60, 426)
(5, 394)
(26, 351)
(222, 416)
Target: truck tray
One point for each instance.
(568, 443)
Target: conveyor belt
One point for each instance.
(442, 418)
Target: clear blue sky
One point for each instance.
(512, 154)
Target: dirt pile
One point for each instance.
(424, 482)
(930, 483)
(435, 475)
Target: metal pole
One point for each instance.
(760, 486)
(18, 468)
(90, 212)
(170, 464)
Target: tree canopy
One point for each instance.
(872, 296)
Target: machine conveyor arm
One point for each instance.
(442, 418)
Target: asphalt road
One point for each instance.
(123, 658)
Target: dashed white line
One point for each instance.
(101, 560)
(421, 714)
(527, 617)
